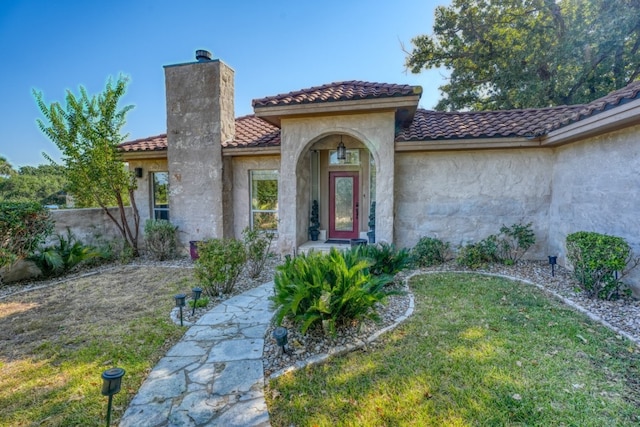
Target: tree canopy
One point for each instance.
(87, 132)
(506, 54)
(44, 184)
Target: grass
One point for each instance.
(56, 342)
(477, 351)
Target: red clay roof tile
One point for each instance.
(152, 143)
(338, 91)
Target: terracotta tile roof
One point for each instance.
(152, 143)
(252, 131)
(338, 91)
(429, 125)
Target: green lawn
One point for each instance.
(478, 351)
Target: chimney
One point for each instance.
(200, 117)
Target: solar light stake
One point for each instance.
(553, 260)
(280, 334)
(111, 382)
(196, 294)
(180, 301)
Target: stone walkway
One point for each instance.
(214, 375)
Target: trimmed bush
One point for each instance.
(479, 255)
(328, 290)
(599, 262)
(160, 238)
(430, 251)
(219, 265)
(23, 227)
(257, 244)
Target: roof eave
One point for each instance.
(615, 118)
(143, 154)
(274, 113)
(467, 144)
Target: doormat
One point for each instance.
(338, 241)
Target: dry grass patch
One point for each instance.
(56, 341)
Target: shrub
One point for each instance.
(515, 241)
(385, 258)
(479, 255)
(327, 289)
(430, 251)
(23, 227)
(160, 238)
(597, 259)
(68, 252)
(219, 265)
(257, 244)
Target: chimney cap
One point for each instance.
(203, 55)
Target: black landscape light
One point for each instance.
(180, 302)
(280, 334)
(553, 260)
(111, 383)
(196, 295)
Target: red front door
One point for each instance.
(343, 205)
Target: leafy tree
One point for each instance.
(5, 167)
(88, 132)
(44, 184)
(505, 54)
(23, 226)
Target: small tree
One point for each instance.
(88, 132)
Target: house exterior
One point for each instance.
(455, 176)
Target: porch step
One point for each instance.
(321, 246)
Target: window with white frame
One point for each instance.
(160, 195)
(264, 200)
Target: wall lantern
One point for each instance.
(138, 172)
(280, 334)
(180, 302)
(196, 295)
(553, 260)
(111, 383)
(342, 150)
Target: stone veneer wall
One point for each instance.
(596, 187)
(200, 117)
(464, 196)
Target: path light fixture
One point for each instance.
(341, 150)
(180, 302)
(196, 295)
(111, 383)
(280, 334)
(553, 260)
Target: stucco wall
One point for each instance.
(596, 187)
(143, 192)
(241, 192)
(89, 225)
(464, 196)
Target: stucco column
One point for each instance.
(200, 116)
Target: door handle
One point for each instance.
(357, 211)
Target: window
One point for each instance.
(352, 158)
(264, 200)
(160, 193)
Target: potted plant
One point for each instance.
(372, 223)
(314, 223)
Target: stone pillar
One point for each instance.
(200, 117)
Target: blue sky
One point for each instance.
(273, 46)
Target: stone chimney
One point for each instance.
(200, 117)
